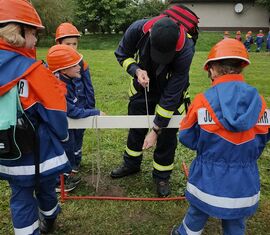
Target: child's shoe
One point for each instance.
(46, 226)
(174, 231)
(72, 178)
(68, 186)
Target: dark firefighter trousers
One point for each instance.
(166, 141)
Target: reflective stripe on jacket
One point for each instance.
(167, 82)
(45, 105)
(228, 127)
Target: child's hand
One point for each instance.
(102, 114)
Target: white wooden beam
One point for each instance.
(106, 122)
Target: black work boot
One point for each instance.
(123, 171)
(46, 226)
(163, 187)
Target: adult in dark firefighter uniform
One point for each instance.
(157, 54)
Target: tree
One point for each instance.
(150, 8)
(114, 15)
(52, 13)
(265, 3)
(102, 15)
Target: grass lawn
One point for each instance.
(103, 149)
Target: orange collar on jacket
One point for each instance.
(30, 53)
(228, 78)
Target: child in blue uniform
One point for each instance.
(65, 63)
(268, 42)
(259, 40)
(33, 204)
(80, 95)
(248, 40)
(228, 126)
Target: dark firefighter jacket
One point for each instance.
(167, 82)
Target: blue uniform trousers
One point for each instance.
(73, 147)
(26, 205)
(195, 221)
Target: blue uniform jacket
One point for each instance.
(259, 39)
(44, 103)
(228, 126)
(167, 82)
(80, 95)
(268, 41)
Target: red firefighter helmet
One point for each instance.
(66, 30)
(62, 57)
(19, 11)
(228, 49)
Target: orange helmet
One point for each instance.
(238, 32)
(228, 49)
(19, 11)
(66, 30)
(62, 57)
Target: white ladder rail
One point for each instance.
(112, 122)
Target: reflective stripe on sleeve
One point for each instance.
(162, 168)
(183, 106)
(133, 153)
(26, 230)
(223, 202)
(164, 112)
(181, 109)
(127, 62)
(132, 91)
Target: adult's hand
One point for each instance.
(143, 78)
(150, 140)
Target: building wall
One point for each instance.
(221, 16)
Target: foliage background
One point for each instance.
(101, 16)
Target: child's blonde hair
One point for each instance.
(11, 33)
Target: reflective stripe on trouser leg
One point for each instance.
(164, 153)
(133, 151)
(234, 226)
(136, 136)
(24, 210)
(79, 133)
(69, 147)
(47, 199)
(194, 222)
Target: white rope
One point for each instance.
(92, 165)
(146, 89)
(98, 157)
(96, 160)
